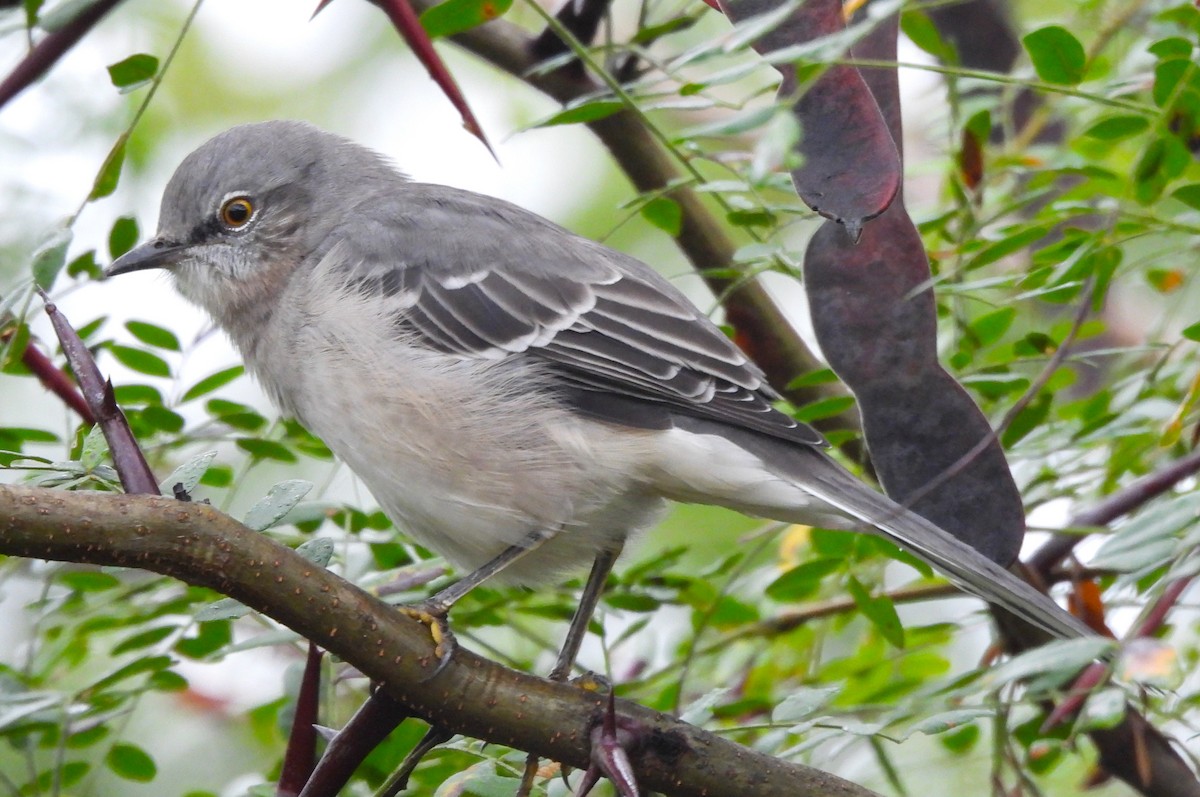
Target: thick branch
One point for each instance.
(197, 544)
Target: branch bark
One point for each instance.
(471, 695)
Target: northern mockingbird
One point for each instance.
(517, 397)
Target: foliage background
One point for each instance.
(195, 713)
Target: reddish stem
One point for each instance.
(57, 382)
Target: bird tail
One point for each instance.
(959, 562)
(785, 477)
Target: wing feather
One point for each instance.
(474, 277)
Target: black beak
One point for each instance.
(155, 253)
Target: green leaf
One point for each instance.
(143, 640)
(210, 383)
(731, 613)
(122, 236)
(153, 335)
(1057, 55)
(162, 418)
(220, 407)
(134, 668)
(951, 720)
(32, 7)
(140, 360)
(167, 681)
(732, 126)
(1161, 161)
(665, 214)
(1104, 709)
(879, 610)
(1168, 74)
(224, 609)
(802, 702)
(475, 782)
(95, 447)
(652, 33)
(1150, 537)
(1058, 657)
(632, 603)
(18, 435)
(803, 580)
(244, 421)
(585, 112)
(990, 327)
(1021, 238)
(88, 737)
(137, 394)
(1115, 128)
(824, 408)
(820, 376)
(303, 440)
(996, 385)
(278, 501)
(1188, 195)
(921, 31)
(833, 544)
(217, 476)
(131, 763)
(88, 580)
(1192, 332)
(455, 16)
(751, 218)
(133, 72)
(50, 257)
(319, 551)
(56, 779)
(209, 637)
(1171, 47)
(110, 171)
(85, 265)
(187, 475)
(1028, 419)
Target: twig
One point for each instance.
(56, 381)
(1122, 502)
(51, 48)
(301, 754)
(135, 473)
(1094, 674)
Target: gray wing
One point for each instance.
(477, 277)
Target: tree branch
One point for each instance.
(471, 695)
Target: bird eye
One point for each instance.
(237, 212)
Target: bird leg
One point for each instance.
(433, 610)
(592, 590)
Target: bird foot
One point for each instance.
(434, 615)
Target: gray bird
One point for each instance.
(517, 397)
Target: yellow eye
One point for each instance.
(237, 212)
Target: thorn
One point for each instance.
(854, 228)
(610, 757)
(589, 780)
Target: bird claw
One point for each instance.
(433, 615)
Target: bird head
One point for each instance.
(253, 205)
